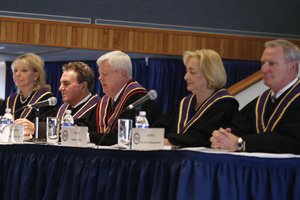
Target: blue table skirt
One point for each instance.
(53, 172)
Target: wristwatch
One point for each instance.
(240, 145)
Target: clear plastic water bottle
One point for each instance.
(141, 120)
(68, 119)
(7, 118)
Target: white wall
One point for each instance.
(2, 79)
(250, 93)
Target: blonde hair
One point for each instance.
(37, 65)
(210, 65)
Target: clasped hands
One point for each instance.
(223, 139)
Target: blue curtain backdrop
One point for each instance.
(238, 70)
(166, 76)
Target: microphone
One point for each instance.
(151, 95)
(49, 102)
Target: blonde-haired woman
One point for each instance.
(29, 78)
(207, 108)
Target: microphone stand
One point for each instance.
(37, 115)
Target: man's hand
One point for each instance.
(224, 139)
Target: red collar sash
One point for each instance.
(107, 121)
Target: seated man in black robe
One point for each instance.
(271, 122)
(115, 75)
(76, 85)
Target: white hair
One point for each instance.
(117, 61)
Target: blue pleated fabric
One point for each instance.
(53, 172)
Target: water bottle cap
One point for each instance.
(7, 110)
(143, 113)
(68, 111)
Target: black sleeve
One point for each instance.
(168, 121)
(244, 121)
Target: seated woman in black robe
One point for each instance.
(30, 80)
(209, 106)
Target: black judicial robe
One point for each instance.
(217, 111)
(84, 114)
(106, 132)
(13, 102)
(271, 127)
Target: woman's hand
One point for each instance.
(167, 142)
(28, 127)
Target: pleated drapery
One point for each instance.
(53, 172)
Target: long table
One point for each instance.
(53, 172)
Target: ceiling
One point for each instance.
(8, 52)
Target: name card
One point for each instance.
(75, 136)
(5, 133)
(147, 139)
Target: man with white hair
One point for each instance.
(115, 75)
(271, 122)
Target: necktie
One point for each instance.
(273, 98)
(112, 103)
(110, 107)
